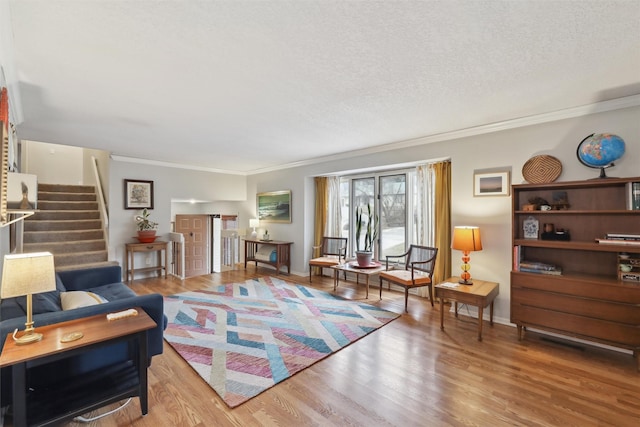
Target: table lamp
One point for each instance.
(27, 274)
(466, 239)
(254, 222)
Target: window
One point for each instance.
(391, 196)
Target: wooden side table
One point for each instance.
(283, 253)
(53, 405)
(157, 246)
(480, 294)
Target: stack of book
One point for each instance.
(540, 268)
(620, 239)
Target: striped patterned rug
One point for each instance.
(243, 338)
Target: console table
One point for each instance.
(157, 246)
(283, 253)
(62, 402)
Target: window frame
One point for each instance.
(410, 194)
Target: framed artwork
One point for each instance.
(274, 206)
(138, 194)
(491, 183)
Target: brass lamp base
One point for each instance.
(27, 338)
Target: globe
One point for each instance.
(600, 151)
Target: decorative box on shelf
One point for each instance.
(630, 277)
(628, 267)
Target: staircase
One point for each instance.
(68, 225)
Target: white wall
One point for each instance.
(169, 184)
(88, 177)
(53, 163)
(508, 149)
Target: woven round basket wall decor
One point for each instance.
(542, 169)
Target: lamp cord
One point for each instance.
(97, 417)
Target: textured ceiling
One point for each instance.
(251, 85)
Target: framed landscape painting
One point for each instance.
(274, 206)
(138, 194)
(491, 183)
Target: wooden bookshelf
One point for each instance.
(588, 300)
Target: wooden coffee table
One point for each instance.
(480, 294)
(351, 267)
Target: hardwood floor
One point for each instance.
(408, 373)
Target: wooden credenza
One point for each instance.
(586, 298)
(133, 248)
(283, 253)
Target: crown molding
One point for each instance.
(137, 160)
(567, 113)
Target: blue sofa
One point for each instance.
(47, 309)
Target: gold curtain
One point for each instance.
(322, 202)
(442, 171)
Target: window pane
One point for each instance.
(393, 215)
(363, 195)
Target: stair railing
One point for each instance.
(230, 240)
(177, 254)
(102, 203)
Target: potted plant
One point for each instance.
(146, 227)
(365, 256)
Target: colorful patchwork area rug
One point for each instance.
(243, 338)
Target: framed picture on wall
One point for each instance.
(491, 183)
(274, 206)
(138, 194)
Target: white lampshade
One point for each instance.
(29, 273)
(254, 222)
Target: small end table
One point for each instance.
(480, 294)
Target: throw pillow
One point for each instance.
(44, 302)
(77, 299)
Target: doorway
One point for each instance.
(211, 242)
(196, 232)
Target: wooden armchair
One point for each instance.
(419, 262)
(333, 251)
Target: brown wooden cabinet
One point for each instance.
(583, 295)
